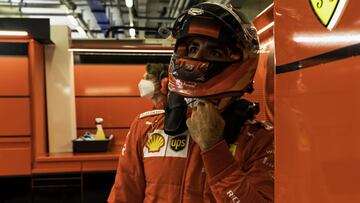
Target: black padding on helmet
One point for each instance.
(235, 117)
(175, 114)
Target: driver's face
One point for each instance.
(202, 48)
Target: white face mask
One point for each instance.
(146, 88)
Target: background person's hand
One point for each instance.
(206, 125)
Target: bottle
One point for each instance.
(100, 135)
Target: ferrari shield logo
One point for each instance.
(328, 11)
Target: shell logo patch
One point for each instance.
(328, 11)
(155, 142)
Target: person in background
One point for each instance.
(154, 84)
(207, 146)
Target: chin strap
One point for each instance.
(235, 117)
(175, 114)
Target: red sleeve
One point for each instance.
(253, 182)
(129, 183)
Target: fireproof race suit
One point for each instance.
(158, 168)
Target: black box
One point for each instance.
(88, 146)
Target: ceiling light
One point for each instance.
(43, 10)
(39, 1)
(328, 39)
(131, 17)
(13, 33)
(269, 42)
(129, 3)
(132, 32)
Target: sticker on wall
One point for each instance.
(328, 11)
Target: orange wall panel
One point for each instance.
(316, 105)
(15, 116)
(107, 80)
(260, 81)
(14, 77)
(15, 156)
(264, 77)
(116, 112)
(38, 100)
(103, 165)
(56, 167)
(264, 23)
(299, 33)
(318, 157)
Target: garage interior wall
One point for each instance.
(60, 91)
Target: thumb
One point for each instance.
(188, 122)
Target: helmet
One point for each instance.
(192, 77)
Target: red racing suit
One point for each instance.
(158, 168)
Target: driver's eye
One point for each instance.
(217, 53)
(192, 49)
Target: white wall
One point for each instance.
(59, 68)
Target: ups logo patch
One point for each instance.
(178, 143)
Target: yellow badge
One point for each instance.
(328, 11)
(155, 142)
(232, 149)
